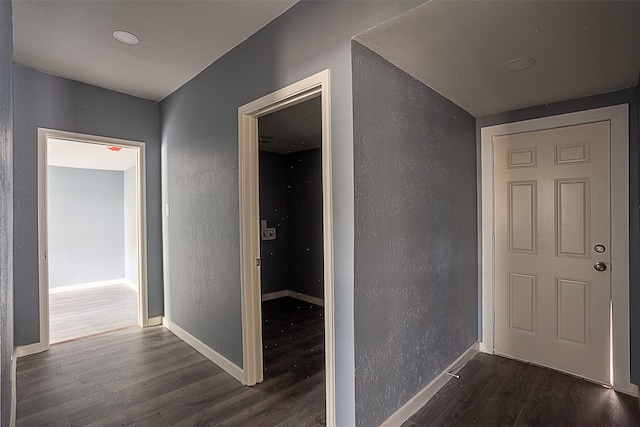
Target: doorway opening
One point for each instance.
(291, 247)
(92, 245)
(251, 230)
(91, 235)
(617, 116)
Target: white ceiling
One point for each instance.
(71, 154)
(178, 39)
(458, 47)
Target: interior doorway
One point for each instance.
(290, 164)
(316, 86)
(91, 235)
(291, 248)
(92, 244)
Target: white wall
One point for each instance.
(86, 226)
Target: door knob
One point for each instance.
(600, 266)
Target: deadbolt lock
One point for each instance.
(600, 266)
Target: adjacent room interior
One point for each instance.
(291, 248)
(92, 238)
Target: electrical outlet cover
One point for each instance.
(268, 233)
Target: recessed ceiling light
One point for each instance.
(519, 64)
(126, 37)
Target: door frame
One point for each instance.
(141, 222)
(618, 116)
(311, 87)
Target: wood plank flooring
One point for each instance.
(495, 391)
(80, 313)
(151, 378)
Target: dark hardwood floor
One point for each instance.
(151, 378)
(495, 391)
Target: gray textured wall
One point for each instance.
(43, 100)
(200, 171)
(415, 235)
(304, 208)
(130, 230)
(627, 96)
(6, 210)
(273, 209)
(86, 225)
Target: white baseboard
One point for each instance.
(14, 372)
(130, 284)
(306, 298)
(424, 395)
(274, 295)
(154, 321)
(27, 350)
(89, 285)
(293, 294)
(484, 348)
(232, 369)
(631, 390)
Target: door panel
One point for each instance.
(522, 302)
(572, 217)
(572, 313)
(552, 206)
(522, 197)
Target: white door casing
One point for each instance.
(43, 263)
(311, 87)
(618, 117)
(551, 208)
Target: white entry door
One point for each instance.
(552, 248)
